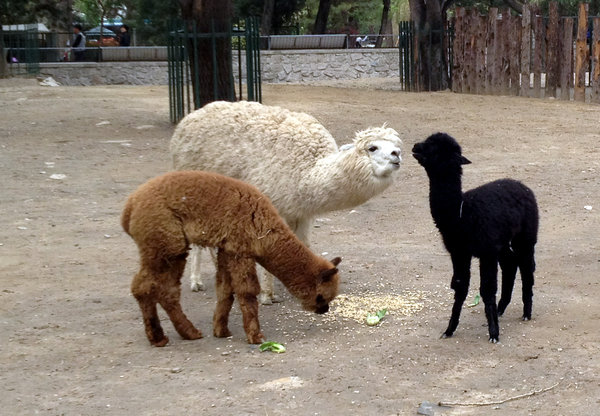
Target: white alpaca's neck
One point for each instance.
(341, 180)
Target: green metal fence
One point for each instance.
(22, 50)
(411, 55)
(185, 83)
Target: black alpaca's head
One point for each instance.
(439, 153)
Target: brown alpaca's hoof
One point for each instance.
(195, 334)
(256, 339)
(222, 332)
(160, 343)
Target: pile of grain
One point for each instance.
(357, 307)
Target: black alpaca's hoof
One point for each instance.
(526, 318)
(493, 340)
(445, 335)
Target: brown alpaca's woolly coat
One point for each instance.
(168, 213)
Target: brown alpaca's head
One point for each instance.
(326, 290)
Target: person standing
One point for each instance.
(78, 46)
(124, 38)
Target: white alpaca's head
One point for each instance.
(382, 145)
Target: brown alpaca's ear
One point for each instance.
(326, 275)
(336, 261)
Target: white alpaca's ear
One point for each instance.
(347, 146)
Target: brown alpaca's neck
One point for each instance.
(292, 263)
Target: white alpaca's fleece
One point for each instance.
(289, 156)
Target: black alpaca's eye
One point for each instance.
(372, 148)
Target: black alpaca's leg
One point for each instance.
(460, 283)
(508, 264)
(488, 271)
(527, 267)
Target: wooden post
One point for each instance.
(537, 56)
(566, 69)
(595, 74)
(525, 51)
(581, 53)
(491, 82)
(552, 51)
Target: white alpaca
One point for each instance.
(290, 157)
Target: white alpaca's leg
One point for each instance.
(302, 230)
(267, 296)
(195, 259)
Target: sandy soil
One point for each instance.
(72, 338)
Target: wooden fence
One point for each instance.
(527, 55)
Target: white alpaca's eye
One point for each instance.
(373, 148)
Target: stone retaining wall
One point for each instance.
(277, 67)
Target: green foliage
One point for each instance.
(91, 12)
(151, 20)
(54, 13)
(353, 17)
(285, 13)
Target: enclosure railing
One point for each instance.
(417, 55)
(185, 83)
(22, 50)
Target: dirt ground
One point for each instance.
(72, 338)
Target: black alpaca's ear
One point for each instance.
(336, 261)
(464, 160)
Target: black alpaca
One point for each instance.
(496, 222)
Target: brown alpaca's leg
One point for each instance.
(169, 295)
(224, 297)
(246, 287)
(143, 287)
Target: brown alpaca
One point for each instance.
(168, 213)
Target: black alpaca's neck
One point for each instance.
(445, 200)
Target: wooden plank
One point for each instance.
(566, 60)
(552, 51)
(459, 51)
(502, 54)
(469, 53)
(480, 37)
(515, 54)
(581, 53)
(538, 52)
(525, 51)
(492, 47)
(595, 75)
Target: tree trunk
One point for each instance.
(322, 17)
(267, 17)
(211, 82)
(385, 24)
(430, 65)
